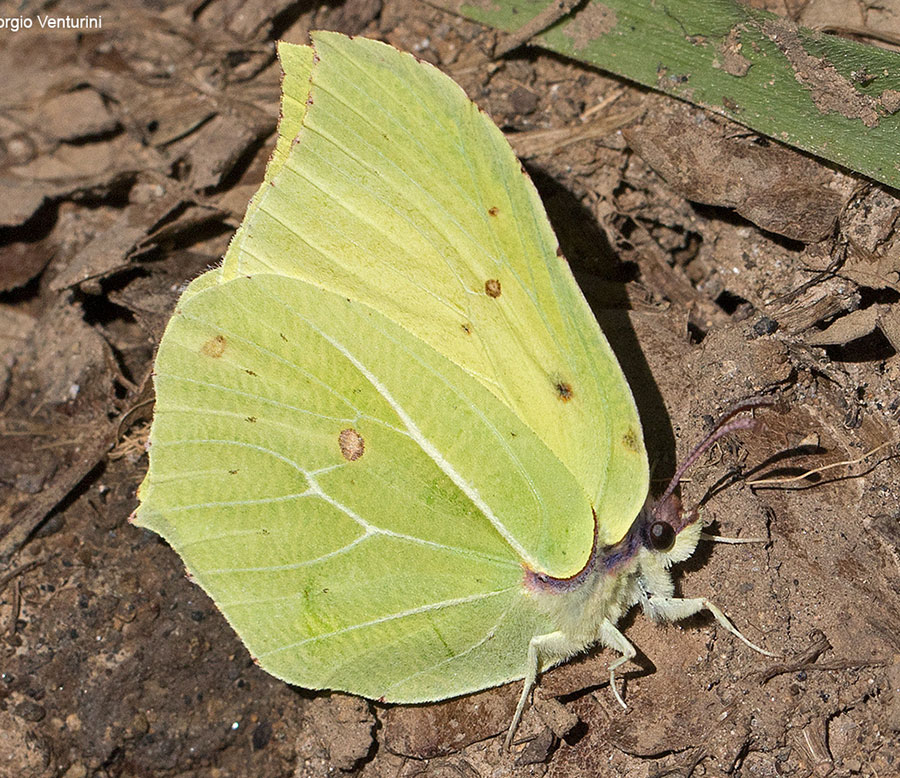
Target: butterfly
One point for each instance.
(390, 439)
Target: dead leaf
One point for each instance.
(821, 301)
(856, 324)
(152, 297)
(214, 149)
(19, 200)
(428, 731)
(76, 115)
(21, 261)
(110, 249)
(876, 271)
(163, 117)
(711, 161)
(889, 324)
(50, 68)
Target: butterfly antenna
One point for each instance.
(725, 426)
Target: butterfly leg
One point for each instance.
(543, 651)
(676, 608)
(612, 638)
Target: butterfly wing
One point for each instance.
(296, 66)
(400, 193)
(357, 505)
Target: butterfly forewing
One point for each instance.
(399, 192)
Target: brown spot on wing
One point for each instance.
(630, 441)
(492, 287)
(564, 391)
(214, 347)
(493, 210)
(466, 327)
(352, 444)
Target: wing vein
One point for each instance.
(390, 617)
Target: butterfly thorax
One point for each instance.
(579, 612)
(615, 579)
(606, 587)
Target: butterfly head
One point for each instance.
(667, 533)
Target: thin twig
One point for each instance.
(808, 473)
(20, 570)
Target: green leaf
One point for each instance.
(832, 97)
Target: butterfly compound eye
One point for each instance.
(661, 536)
